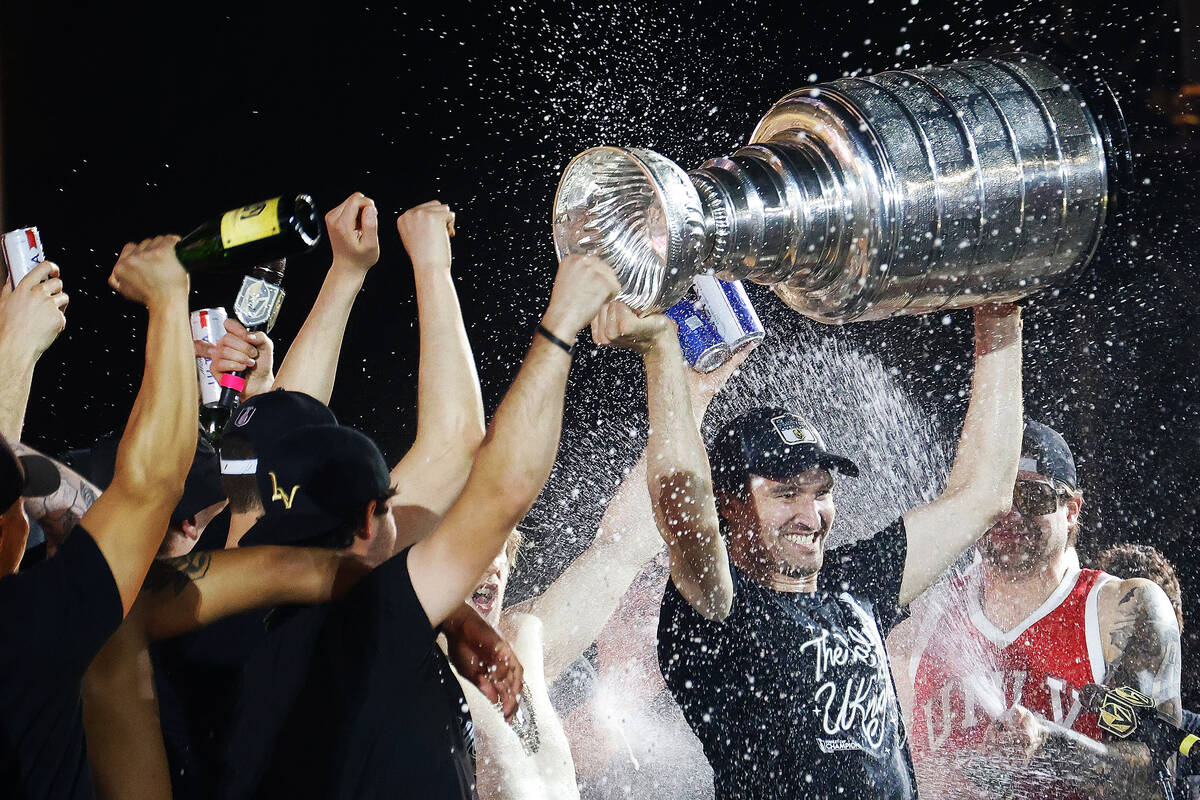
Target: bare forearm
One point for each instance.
(509, 473)
(58, 513)
(311, 362)
(449, 401)
(157, 446)
(576, 607)
(192, 591)
(990, 444)
(680, 486)
(1113, 771)
(17, 371)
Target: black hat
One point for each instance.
(314, 480)
(264, 419)
(774, 443)
(24, 476)
(201, 489)
(1045, 451)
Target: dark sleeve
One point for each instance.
(60, 612)
(693, 657)
(386, 599)
(871, 569)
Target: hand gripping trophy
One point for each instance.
(862, 198)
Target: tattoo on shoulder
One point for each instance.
(176, 574)
(1145, 636)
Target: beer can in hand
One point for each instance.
(702, 344)
(730, 309)
(208, 325)
(22, 252)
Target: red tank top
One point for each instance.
(965, 670)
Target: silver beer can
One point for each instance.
(22, 252)
(208, 325)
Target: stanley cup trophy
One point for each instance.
(862, 198)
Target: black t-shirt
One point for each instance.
(791, 695)
(353, 699)
(54, 618)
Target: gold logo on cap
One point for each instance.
(279, 494)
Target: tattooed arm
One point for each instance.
(59, 512)
(1141, 649)
(189, 592)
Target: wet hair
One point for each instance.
(512, 547)
(1074, 494)
(242, 490)
(1143, 561)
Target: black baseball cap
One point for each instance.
(772, 442)
(314, 480)
(1045, 451)
(24, 476)
(264, 419)
(201, 489)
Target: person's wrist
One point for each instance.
(562, 324)
(350, 268)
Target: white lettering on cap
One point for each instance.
(1027, 464)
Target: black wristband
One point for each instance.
(569, 349)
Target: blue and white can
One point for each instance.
(714, 319)
(702, 344)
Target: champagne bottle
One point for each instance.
(256, 307)
(242, 237)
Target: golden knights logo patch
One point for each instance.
(792, 431)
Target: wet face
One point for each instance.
(785, 523)
(488, 597)
(14, 534)
(1026, 540)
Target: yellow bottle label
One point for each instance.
(250, 223)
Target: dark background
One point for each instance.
(120, 124)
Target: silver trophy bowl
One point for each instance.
(862, 198)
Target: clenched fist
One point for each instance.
(617, 325)
(31, 315)
(241, 350)
(582, 286)
(354, 233)
(426, 230)
(149, 273)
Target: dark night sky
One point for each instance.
(120, 125)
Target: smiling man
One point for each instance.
(772, 645)
(1021, 633)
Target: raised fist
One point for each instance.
(241, 350)
(582, 286)
(617, 325)
(149, 273)
(426, 230)
(354, 233)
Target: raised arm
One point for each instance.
(450, 423)
(189, 592)
(129, 520)
(515, 460)
(577, 606)
(311, 362)
(31, 318)
(979, 490)
(58, 513)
